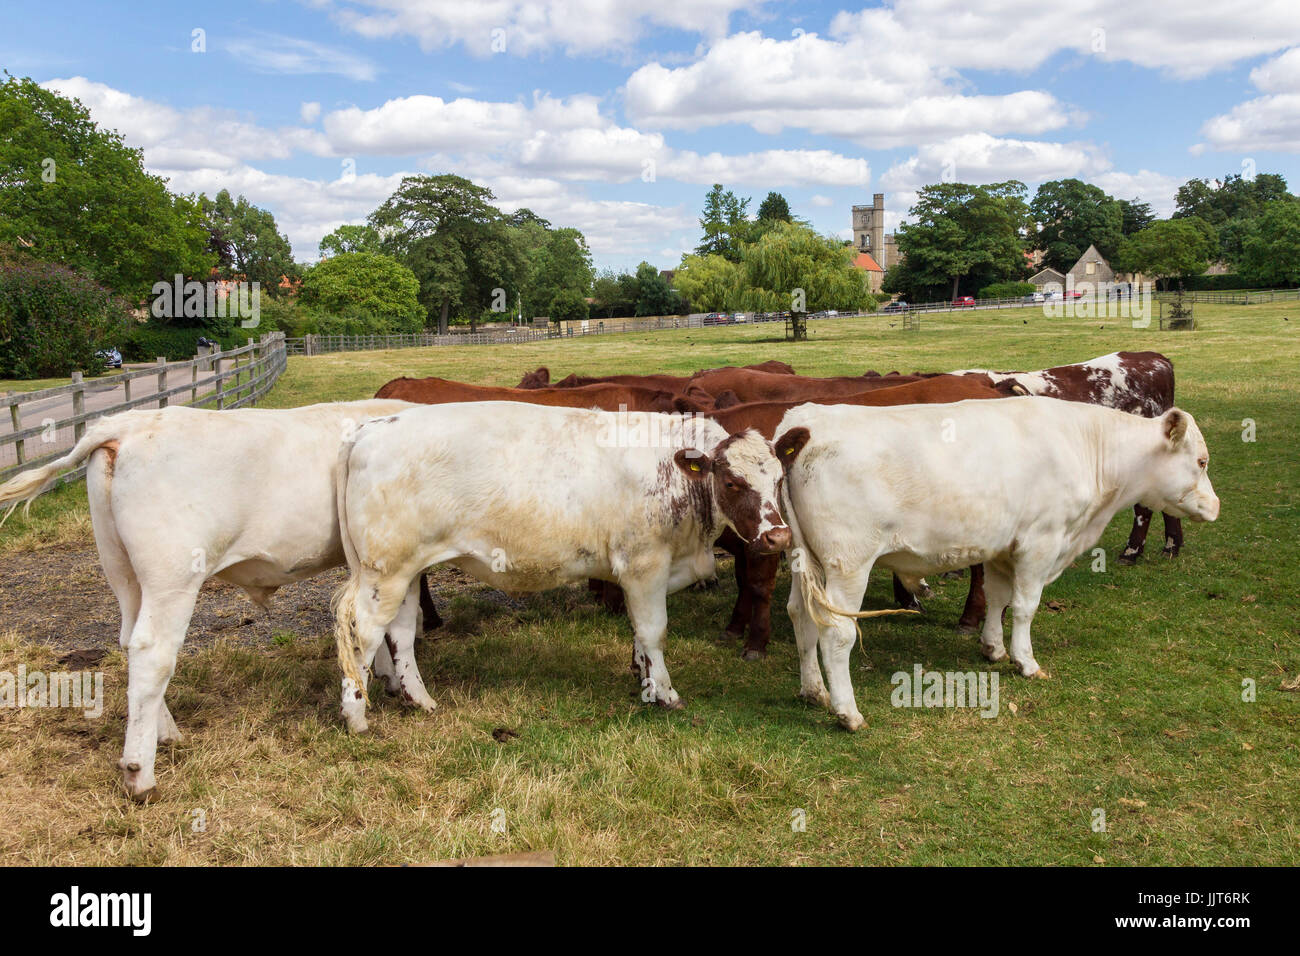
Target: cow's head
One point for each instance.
(745, 483)
(1180, 483)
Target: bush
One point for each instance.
(53, 319)
(365, 291)
(1008, 290)
(146, 341)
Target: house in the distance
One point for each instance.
(1092, 269)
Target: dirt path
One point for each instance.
(59, 596)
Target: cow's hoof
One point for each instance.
(819, 697)
(172, 737)
(143, 797)
(851, 722)
(675, 704)
(356, 725)
(1127, 559)
(753, 654)
(1169, 553)
(996, 656)
(731, 637)
(1038, 674)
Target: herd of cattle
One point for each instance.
(643, 474)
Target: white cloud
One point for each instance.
(524, 27)
(414, 124)
(273, 53)
(201, 137)
(1269, 122)
(840, 88)
(980, 158)
(310, 112)
(822, 202)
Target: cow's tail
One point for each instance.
(344, 601)
(810, 577)
(25, 487)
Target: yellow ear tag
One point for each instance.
(695, 466)
(789, 451)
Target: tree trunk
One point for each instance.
(442, 318)
(955, 280)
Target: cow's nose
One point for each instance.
(1212, 512)
(778, 539)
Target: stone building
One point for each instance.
(869, 233)
(875, 274)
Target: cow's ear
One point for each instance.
(1175, 425)
(693, 462)
(790, 444)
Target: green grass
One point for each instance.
(1142, 718)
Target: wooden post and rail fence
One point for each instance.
(44, 424)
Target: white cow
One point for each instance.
(529, 497)
(179, 495)
(1023, 485)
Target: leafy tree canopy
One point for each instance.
(1072, 215)
(74, 193)
(365, 285)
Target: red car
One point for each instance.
(964, 302)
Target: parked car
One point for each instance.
(1073, 294)
(897, 306)
(964, 302)
(111, 356)
(1033, 297)
(718, 318)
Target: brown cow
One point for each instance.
(751, 386)
(441, 391)
(541, 377)
(756, 573)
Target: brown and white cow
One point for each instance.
(1023, 486)
(644, 497)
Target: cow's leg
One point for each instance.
(1026, 592)
(400, 643)
(375, 609)
(997, 593)
(1137, 538)
(151, 659)
(973, 612)
(903, 597)
(1173, 536)
(843, 590)
(811, 686)
(647, 607)
(427, 608)
(743, 611)
(761, 580)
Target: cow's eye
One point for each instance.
(1203, 462)
(731, 485)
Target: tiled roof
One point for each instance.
(863, 260)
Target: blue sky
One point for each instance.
(615, 117)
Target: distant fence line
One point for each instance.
(239, 377)
(1243, 297)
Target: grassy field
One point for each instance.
(1143, 718)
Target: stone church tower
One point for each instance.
(869, 232)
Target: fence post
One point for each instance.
(78, 406)
(20, 446)
(218, 384)
(162, 381)
(194, 381)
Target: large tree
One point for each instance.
(74, 193)
(792, 266)
(709, 283)
(959, 232)
(1135, 216)
(457, 243)
(1232, 206)
(654, 295)
(1169, 249)
(725, 225)
(558, 262)
(1271, 257)
(774, 208)
(256, 249)
(1072, 215)
(368, 286)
